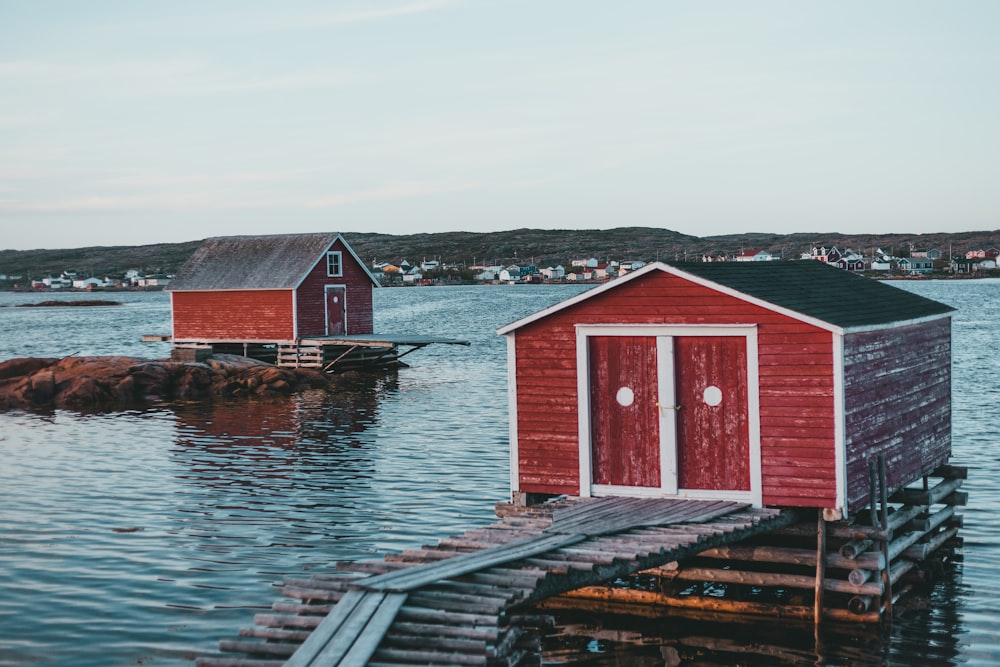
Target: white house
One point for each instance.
(510, 274)
(90, 283)
(554, 273)
(57, 282)
(754, 256)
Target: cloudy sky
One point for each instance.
(126, 123)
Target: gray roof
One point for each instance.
(253, 262)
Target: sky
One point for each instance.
(129, 123)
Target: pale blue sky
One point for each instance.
(127, 122)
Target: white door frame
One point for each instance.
(326, 306)
(665, 333)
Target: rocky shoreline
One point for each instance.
(113, 380)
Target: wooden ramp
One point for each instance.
(466, 600)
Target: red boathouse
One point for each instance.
(774, 383)
(270, 290)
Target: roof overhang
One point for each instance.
(666, 268)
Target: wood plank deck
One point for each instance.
(463, 601)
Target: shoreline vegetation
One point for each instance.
(522, 246)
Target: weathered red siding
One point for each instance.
(626, 438)
(897, 386)
(243, 315)
(311, 311)
(795, 383)
(713, 443)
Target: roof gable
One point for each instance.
(807, 290)
(280, 261)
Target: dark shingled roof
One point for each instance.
(820, 291)
(252, 262)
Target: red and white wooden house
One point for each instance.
(773, 383)
(271, 289)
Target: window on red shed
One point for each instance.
(334, 266)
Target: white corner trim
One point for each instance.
(753, 419)
(839, 424)
(512, 413)
(583, 411)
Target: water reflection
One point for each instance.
(293, 473)
(928, 633)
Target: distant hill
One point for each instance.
(543, 247)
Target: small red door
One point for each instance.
(625, 433)
(713, 436)
(336, 310)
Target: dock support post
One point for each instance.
(820, 568)
(884, 521)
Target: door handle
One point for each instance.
(667, 407)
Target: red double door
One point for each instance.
(669, 413)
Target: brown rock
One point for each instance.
(82, 390)
(16, 368)
(43, 387)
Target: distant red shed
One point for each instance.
(769, 382)
(271, 289)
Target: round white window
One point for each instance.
(712, 396)
(625, 397)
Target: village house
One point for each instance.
(554, 273)
(915, 266)
(754, 256)
(91, 283)
(852, 261)
(959, 265)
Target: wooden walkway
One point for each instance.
(467, 600)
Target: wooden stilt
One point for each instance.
(820, 567)
(884, 523)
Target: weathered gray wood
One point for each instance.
(256, 648)
(276, 634)
(792, 556)
(417, 657)
(367, 641)
(951, 472)
(237, 662)
(480, 634)
(920, 497)
(805, 582)
(306, 653)
(421, 575)
(287, 620)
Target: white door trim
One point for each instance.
(668, 419)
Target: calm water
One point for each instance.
(142, 537)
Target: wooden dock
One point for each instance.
(329, 353)
(467, 600)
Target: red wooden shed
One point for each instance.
(271, 289)
(769, 382)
